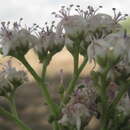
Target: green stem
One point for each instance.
(29, 68)
(104, 99)
(45, 64)
(13, 106)
(72, 84)
(42, 86)
(76, 61)
(83, 65)
(11, 117)
(70, 89)
(44, 68)
(56, 126)
(11, 100)
(117, 99)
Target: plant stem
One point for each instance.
(42, 86)
(76, 60)
(83, 65)
(18, 122)
(117, 99)
(104, 99)
(13, 106)
(45, 64)
(11, 100)
(44, 68)
(56, 126)
(72, 84)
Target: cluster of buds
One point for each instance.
(49, 40)
(16, 40)
(82, 105)
(11, 79)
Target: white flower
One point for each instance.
(111, 44)
(81, 106)
(49, 40)
(103, 22)
(96, 48)
(74, 24)
(99, 20)
(73, 115)
(10, 78)
(15, 38)
(11, 73)
(45, 41)
(117, 42)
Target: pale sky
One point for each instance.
(39, 11)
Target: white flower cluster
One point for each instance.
(16, 39)
(84, 104)
(81, 107)
(10, 79)
(49, 39)
(114, 43)
(87, 27)
(92, 25)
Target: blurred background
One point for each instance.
(31, 107)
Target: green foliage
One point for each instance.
(111, 117)
(126, 25)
